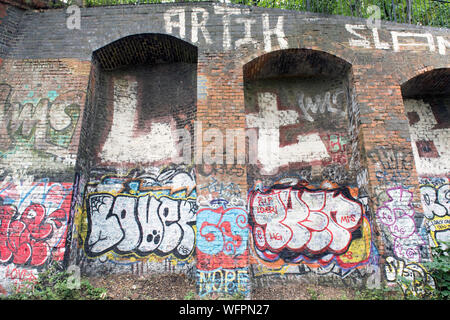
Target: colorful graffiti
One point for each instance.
(45, 124)
(435, 197)
(142, 215)
(397, 215)
(222, 239)
(33, 222)
(412, 277)
(304, 224)
(222, 236)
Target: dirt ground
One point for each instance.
(180, 287)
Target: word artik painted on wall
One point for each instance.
(175, 19)
(311, 222)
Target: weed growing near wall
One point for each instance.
(55, 284)
(439, 269)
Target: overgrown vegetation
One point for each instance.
(55, 283)
(422, 12)
(439, 269)
(384, 293)
(419, 288)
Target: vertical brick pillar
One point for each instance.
(222, 228)
(392, 177)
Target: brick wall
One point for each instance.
(10, 18)
(310, 138)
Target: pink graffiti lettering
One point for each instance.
(397, 214)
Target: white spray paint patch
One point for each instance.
(269, 120)
(122, 144)
(424, 130)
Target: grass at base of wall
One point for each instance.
(55, 283)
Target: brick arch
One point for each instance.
(292, 62)
(142, 90)
(289, 82)
(406, 74)
(427, 82)
(145, 48)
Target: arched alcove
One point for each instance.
(303, 94)
(137, 187)
(426, 98)
(305, 207)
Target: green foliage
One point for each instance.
(190, 295)
(56, 284)
(384, 293)
(313, 294)
(423, 12)
(439, 269)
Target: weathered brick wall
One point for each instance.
(42, 104)
(138, 112)
(324, 183)
(10, 18)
